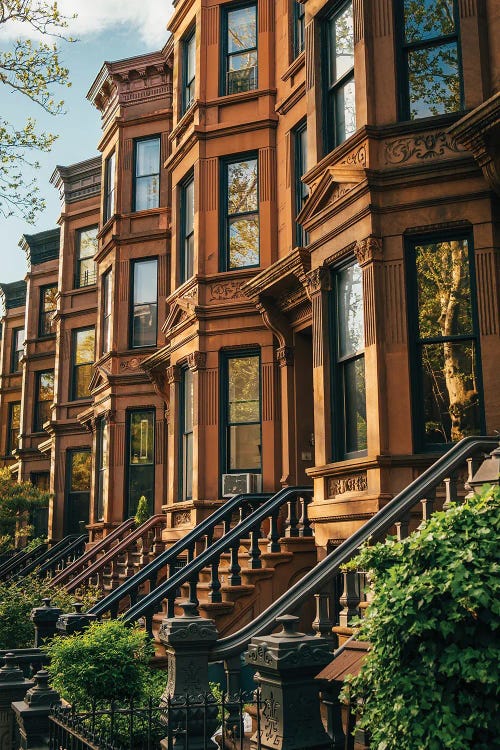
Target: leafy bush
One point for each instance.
(17, 501)
(18, 598)
(431, 678)
(142, 512)
(107, 662)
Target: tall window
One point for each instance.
(242, 413)
(147, 173)
(301, 190)
(298, 27)
(448, 401)
(109, 187)
(14, 426)
(340, 100)
(76, 514)
(187, 223)
(82, 358)
(240, 49)
(189, 70)
(102, 468)
(107, 310)
(430, 66)
(187, 418)
(241, 200)
(48, 306)
(39, 517)
(141, 469)
(17, 349)
(86, 248)
(145, 303)
(349, 364)
(44, 395)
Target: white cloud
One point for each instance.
(147, 17)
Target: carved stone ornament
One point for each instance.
(356, 158)
(420, 147)
(340, 485)
(197, 360)
(173, 374)
(225, 290)
(181, 518)
(131, 364)
(318, 280)
(284, 356)
(368, 250)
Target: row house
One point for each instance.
(11, 372)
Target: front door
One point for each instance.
(76, 514)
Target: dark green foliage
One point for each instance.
(142, 513)
(431, 680)
(17, 501)
(18, 598)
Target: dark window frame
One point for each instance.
(135, 178)
(133, 264)
(16, 354)
(299, 28)
(109, 197)
(225, 55)
(224, 260)
(106, 284)
(338, 366)
(43, 315)
(330, 114)
(403, 48)
(37, 423)
(75, 366)
(300, 189)
(187, 98)
(12, 443)
(184, 436)
(92, 277)
(415, 342)
(128, 464)
(101, 468)
(224, 421)
(186, 263)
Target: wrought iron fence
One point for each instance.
(203, 722)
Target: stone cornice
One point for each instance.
(41, 247)
(78, 181)
(13, 295)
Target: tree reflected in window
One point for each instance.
(242, 212)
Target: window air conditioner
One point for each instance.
(237, 484)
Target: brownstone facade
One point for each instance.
(296, 262)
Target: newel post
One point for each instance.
(32, 713)
(287, 665)
(13, 687)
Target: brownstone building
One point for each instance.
(14, 303)
(297, 264)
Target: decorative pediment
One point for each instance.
(100, 378)
(334, 184)
(180, 311)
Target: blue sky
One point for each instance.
(141, 30)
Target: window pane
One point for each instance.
(242, 186)
(141, 482)
(450, 391)
(15, 421)
(443, 286)
(147, 192)
(244, 446)
(188, 401)
(80, 468)
(244, 389)
(141, 437)
(84, 346)
(110, 187)
(191, 58)
(46, 386)
(189, 207)
(147, 159)
(87, 243)
(81, 381)
(350, 311)
(87, 272)
(434, 80)
(244, 242)
(241, 29)
(104, 445)
(145, 281)
(355, 405)
(341, 44)
(144, 325)
(345, 111)
(428, 19)
(188, 466)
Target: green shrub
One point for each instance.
(107, 662)
(431, 678)
(142, 513)
(18, 598)
(17, 501)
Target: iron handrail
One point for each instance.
(21, 557)
(151, 601)
(53, 556)
(93, 552)
(40, 554)
(316, 579)
(149, 571)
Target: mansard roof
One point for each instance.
(13, 294)
(78, 181)
(41, 247)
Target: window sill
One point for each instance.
(295, 66)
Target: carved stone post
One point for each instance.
(13, 687)
(188, 641)
(74, 622)
(45, 621)
(287, 665)
(32, 713)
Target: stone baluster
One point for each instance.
(428, 505)
(192, 587)
(291, 523)
(305, 522)
(254, 553)
(234, 577)
(324, 620)
(274, 536)
(349, 599)
(286, 664)
(403, 527)
(450, 485)
(215, 584)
